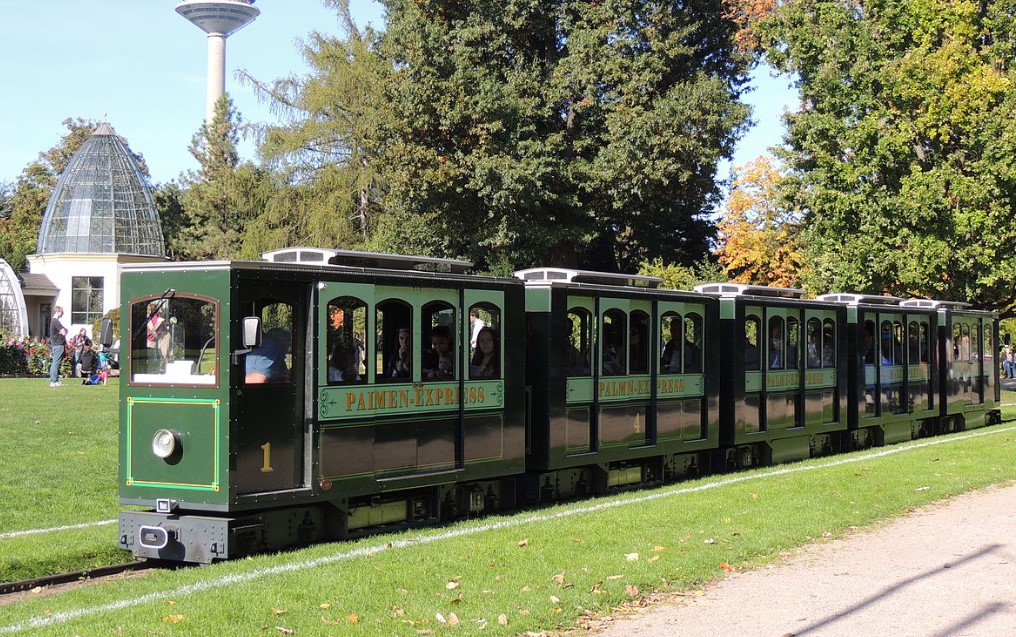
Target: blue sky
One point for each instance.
(142, 67)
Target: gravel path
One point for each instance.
(947, 570)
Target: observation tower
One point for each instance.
(219, 19)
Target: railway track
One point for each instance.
(101, 572)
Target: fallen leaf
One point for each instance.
(632, 557)
(168, 601)
(526, 589)
(453, 619)
(922, 488)
(353, 619)
(502, 619)
(577, 539)
(657, 549)
(709, 541)
(559, 578)
(632, 590)
(440, 618)
(654, 558)
(554, 599)
(278, 612)
(727, 567)
(596, 587)
(172, 619)
(522, 543)
(452, 584)
(523, 612)
(325, 606)
(285, 631)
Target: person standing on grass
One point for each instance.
(57, 343)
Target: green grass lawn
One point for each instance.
(533, 571)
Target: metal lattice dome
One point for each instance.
(102, 203)
(13, 316)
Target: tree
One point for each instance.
(900, 160)
(570, 132)
(216, 199)
(326, 150)
(758, 237)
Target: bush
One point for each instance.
(21, 355)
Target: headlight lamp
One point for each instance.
(164, 443)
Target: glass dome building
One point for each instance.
(102, 203)
(13, 314)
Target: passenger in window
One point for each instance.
(751, 357)
(475, 325)
(267, 363)
(613, 355)
(869, 345)
(485, 363)
(776, 347)
(343, 366)
(692, 357)
(669, 362)
(401, 365)
(578, 361)
(636, 351)
(814, 357)
(438, 362)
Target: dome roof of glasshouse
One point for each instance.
(102, 203)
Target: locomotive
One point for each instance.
(325, 394)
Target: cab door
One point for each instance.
(268, 427)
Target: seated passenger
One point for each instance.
(613, 358)
(692, 358)
(401, 365)
(267, 363)
(578, 362)
(669, 362)
(485, 363)
(438, 361)
(342, 365)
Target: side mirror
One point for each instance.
(251, 331)
(106, 332)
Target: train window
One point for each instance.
(886, 343)
(438, 357)
(961, 342)
(272, 361)
(638, 343)
(173, 341)
(485, 337)
(347, 355)
(752, 330)
(913, 343)
(692, 344)
(670, 359)
(925, 336)
(393, 350)
(793, 340)
(828, 343)
(813, 353)
(989, 353)
(869, 342)
(975, 344)
(580, 338)
(776, 356)
(613, 343)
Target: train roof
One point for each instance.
(740, 289)
(860, 299)
(546, 276)
(935, 305)
(357, 259)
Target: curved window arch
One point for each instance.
(671, 324)
(485, 341)
(393, 349)
(752, 334)
(692, 343)
(638, 343)
(777, 356)
(437, 361)
(347, 348)
(612, 343)
(580, 341)
(828, 343)
(813, 349)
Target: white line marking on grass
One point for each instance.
(229, 580)
(54, 529)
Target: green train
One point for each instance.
(324, 394)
